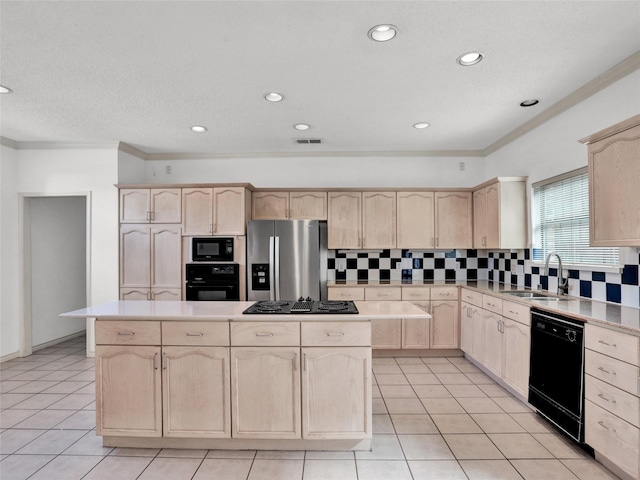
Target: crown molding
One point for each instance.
(131, 150)
(615, 73)
(60, 145)
(205, 156)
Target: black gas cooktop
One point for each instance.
(302, 306)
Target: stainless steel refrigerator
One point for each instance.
(286, 259)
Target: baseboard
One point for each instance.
(10, 356)
(51, 343)
(416, 352)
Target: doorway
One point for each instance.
(55, 268)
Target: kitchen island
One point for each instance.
(203, 375)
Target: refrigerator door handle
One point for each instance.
(277, 267)
(272, 271)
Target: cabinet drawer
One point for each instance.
(123, 332)
(320, 334)
(195, 333)
(416, 293)
(613, 437)
(517, 312)
(472, 297)
(614, 344)
(356, 293)
(265, 334)
(492, 304)
(444, 293)
(383, 293)
(616, 401)
(612, 371)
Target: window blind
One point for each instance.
(561, 223)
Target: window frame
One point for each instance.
(567, 265)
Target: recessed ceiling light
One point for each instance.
(470, 58)
(383, 33)
(301, 126)
(529, 103)
(4, 89)
(420, 125)
(273, 97)
(198, 129)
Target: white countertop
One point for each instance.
(225, 311)
(606, 314)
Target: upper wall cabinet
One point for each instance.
(150, 205)
(362, 220)
(215, 211)
(415, 220)
(344, 226)
(289, 205)
(614, 176)
(500, 214)
(453, 220)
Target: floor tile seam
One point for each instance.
(29, 442)
(150, 462)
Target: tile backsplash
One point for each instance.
(508, 267)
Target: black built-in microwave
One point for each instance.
(212, 249)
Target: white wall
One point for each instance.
(58, 266)
(58, 172)
(131, 169)
(9, 292)
(321, 172)
(553, 148)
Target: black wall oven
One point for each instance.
(556, 378)
(213, 281)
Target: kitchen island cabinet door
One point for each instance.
(196, 392)
(445, 325)
(517, 346)
(386, 333)
(265, 390)
(128, 391)
(344, 226)
(336, 392)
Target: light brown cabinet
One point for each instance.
(379, 219)
(150, 205)
(500, 214)
(289, 205)
(196, 391)
(614, 176)
(361, 220)
(445, 324)
(453, 220)
(612, 397)
(150, 262)
(472, 331)
(215, 211)
(415, 220)
(336, 392)
(344, 226)
(265, 392)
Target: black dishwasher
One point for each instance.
(556, 376)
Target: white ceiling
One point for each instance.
(143, 72)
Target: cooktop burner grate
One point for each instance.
(302, 306)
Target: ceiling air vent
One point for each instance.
(308, 141)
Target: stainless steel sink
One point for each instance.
(532, 295)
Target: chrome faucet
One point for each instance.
(563, 283)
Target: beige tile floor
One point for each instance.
(434, 418)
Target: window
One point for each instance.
(561, 222)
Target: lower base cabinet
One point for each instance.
(195, 392)
(201, 380)
(386, 333)
(265, 387)
(445, 324)
(517, 348)
(336, 392)
(128, 391)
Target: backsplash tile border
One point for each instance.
(513, 267)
